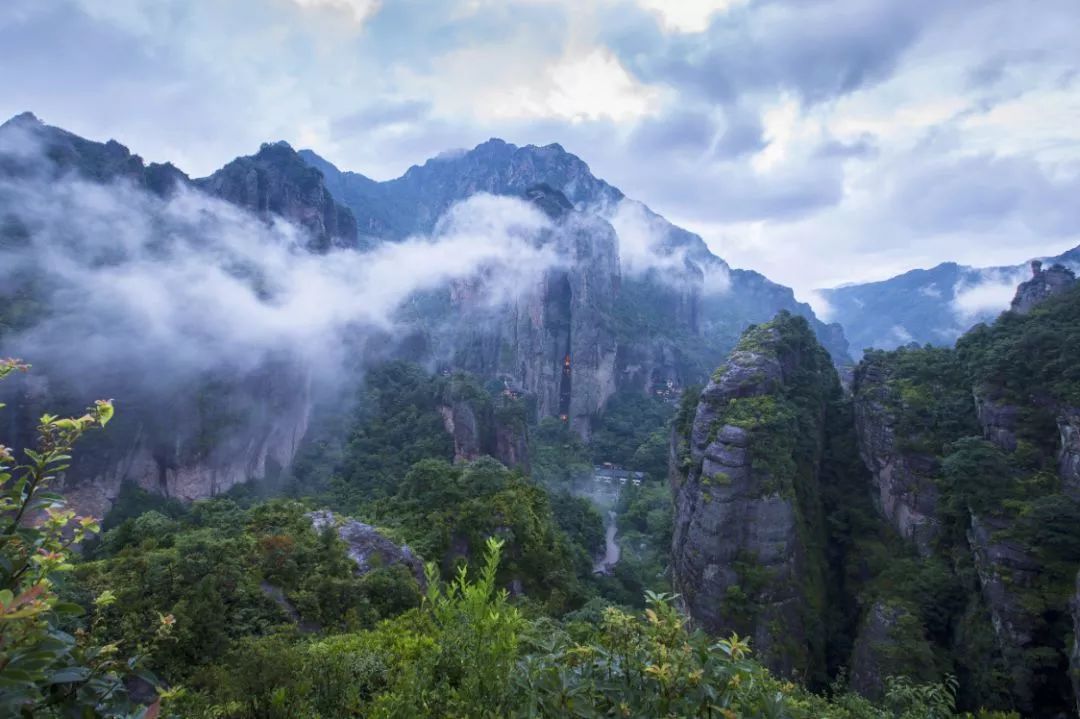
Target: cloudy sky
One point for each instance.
(818, 141)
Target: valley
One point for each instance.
(450, 445)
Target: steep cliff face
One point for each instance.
(679, 310)
(185, 434)
(555, 339)
(1074, 662)
(275, 182)
(992, 429)
(904, 490)
(1068, 423)
(744, 553)
(215, 435)
(997, 418)
(1043, 285)
(1007, 572)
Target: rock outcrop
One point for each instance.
(634, 327)
(890, 642)
(903, 486)
(998, 420)
(189, 437)
(367, 547)
(1005, 571)
(275, 182)
(1043, 285)
(460, 422)
(487, 426)
(1068, 422)
(745, 495)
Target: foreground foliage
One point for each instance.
(469, 652)
(50, 664)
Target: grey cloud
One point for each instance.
(732, 192)
(380, 115)
(691, 131)
(864, 146)
(980, 193)
(818, 49)
(743, 134)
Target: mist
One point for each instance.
(189, 283)
(985, 293)
(644, 249)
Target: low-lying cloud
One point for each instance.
(645, 245)
(188, 284)
(985, 293)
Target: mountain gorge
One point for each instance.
(970, 460)
(602, 315)
(423, 447)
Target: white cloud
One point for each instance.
(900, 335)
(358, 10)
(193, 283)
(644, 246)
(584, 85)
(988, 293)
(688, 16)
(821, 306)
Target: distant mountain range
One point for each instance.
(933, 306)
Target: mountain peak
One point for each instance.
(24, 119)
(278, 181)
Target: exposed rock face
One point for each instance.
(904, 490)
(890, 642)
(1004, 569)
(998, 421)
(739, 555)
(459, 419)
(1068, 423)
(1043, 285)
(367, 547)
(512, 446)
(687, 323)
(555, 340)
(275, 182)
(207, 444)
(185, 438)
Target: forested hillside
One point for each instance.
(331, 467)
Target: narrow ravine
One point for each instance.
(611, 547)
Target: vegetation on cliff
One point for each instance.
(992, 592)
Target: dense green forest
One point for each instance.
(242, 607)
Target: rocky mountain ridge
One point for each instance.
(579, 335)
(927, 306)
(957, 553)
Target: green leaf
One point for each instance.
(69, 674)
(105, 411)
(69, 608)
